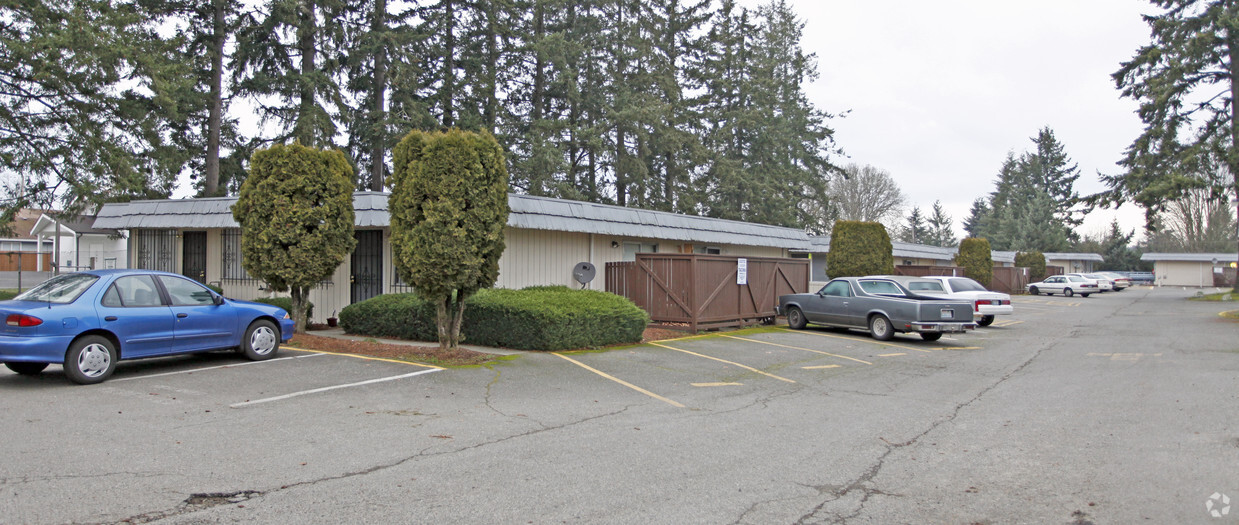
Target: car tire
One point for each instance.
(795, 319)
(1067, 292)
(880, 327)
(261, 340)
(26, 369)
(90, 359)
(1033, 290)
(931, 336)
(985, 320)
(1083, 295)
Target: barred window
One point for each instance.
(231, 265)
(156, 250)
(397, 284)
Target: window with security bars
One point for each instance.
(230, 267)
(397, 284)
(156, 250)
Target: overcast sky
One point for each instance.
(938, 93)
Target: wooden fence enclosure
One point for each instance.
(24, 261)
(1010, 280)
(694, 292)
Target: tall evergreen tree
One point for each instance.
(914, 230)
(288, 53)
(91, 103)
(1186, 83)
(940, 228)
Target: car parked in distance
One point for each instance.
(986, 303)
(1121, 282)
(1140, 277)
(87, 321)
(1067, 285)
(1104, 283)
(878, 304)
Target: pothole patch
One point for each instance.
(212, 499)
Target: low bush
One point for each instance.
(536, 318)
(401, 315)
(287, 304)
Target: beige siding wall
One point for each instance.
(532, 257)
(1183, 273)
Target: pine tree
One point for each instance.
(940, 228)
(915, 230)
(288, 53)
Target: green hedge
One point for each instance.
(974, 256)
(286, 303)
(858, 249)
(1035, 262)
(536, 318)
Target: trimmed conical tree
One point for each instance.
(449, 208)
(296, 216)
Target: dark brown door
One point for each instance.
(367, 277)
(193, 255)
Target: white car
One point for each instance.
(985, 303)
(1104, 284)
(1067, 285)
(1120, 281)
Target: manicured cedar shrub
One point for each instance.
(400, 315)
(1035, 262)
(536, 318)
(287, 304)
(858, 249)
(974, 256)
(552, 318)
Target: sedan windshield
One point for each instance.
(62, 289)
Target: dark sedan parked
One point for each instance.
(880, 305)
(87, 321)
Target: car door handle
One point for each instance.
(182, 315)
(110, 318)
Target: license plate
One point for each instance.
(948, 313)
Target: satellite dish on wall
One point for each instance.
(584, 272)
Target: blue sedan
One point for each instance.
(88, 321)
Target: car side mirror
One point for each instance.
(219, 300)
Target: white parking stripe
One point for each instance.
(211, 368)
(324, 389)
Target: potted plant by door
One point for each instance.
(333, 321)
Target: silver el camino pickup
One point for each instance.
(880, 305)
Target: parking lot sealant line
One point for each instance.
(799, 348)
(367, 358)
(327, 388)
(620, 381)
(858, 340)
(716, 384)
(893, 355)
(233, 365)
(767, 374)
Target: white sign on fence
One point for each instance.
(742, 271)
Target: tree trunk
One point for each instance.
(449, 313)
(299, 294)
(447, 98)
(306, 33)
(1232, 156)
(378, 152)
(219, 28)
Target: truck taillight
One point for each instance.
(976, 305)
(22, 320)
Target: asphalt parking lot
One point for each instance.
(1112, 408)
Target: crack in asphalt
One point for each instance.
(203, 501)
(864, 483)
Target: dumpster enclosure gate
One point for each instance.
(694, 292)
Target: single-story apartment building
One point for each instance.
(546, 239)
(1073, 262)
(1189, 269)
